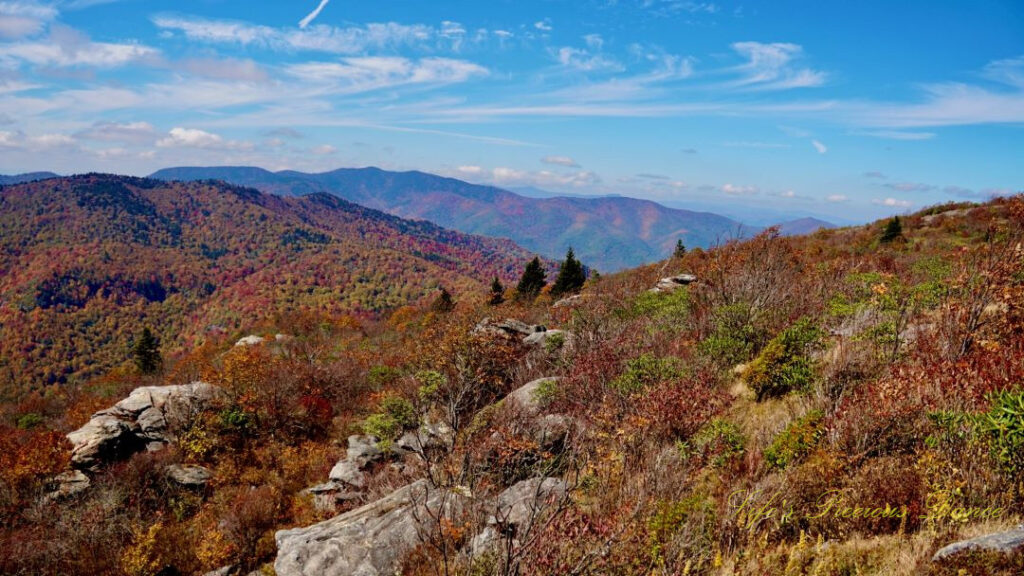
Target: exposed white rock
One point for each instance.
(541, 338)
(673, 283)
(141, 421)
(1006, 542)
(66, 485)
(516, 510)
(189, 476)
(527, 397)
(250, 340)
(369, 541)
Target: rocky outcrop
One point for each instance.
(528, 334)
(189, 476)
(1006, 542)
(517, 509)
(369, 541)
(529, 397)
(542, 338)
(569, 302)
(548, 430)
(673, 283)
(66, 485)
(142, 421)
(429, 436)
(347, 478)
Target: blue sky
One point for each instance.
(846, 110)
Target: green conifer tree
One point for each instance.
(532, 281)
(146, 353)
(893, 231)
(497, 292)
(571, 276)
(443, 303)
(680, 250)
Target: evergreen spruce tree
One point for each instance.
(571, 276)
(497, 292)
(147, 353)
(532, 281)
(893, 231)
(443, 303)
(680, 249)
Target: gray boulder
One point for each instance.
(1006, 542)
(66, 485)
(250, 340)
(349, 473)
(527, 396)
(673, 283)
(541, 338)
(429, 436)
(507, 327)
(363, 450)
(517, 509)
(372, 540)
(189, 476)
(141, 421)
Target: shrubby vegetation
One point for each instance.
(795, 369)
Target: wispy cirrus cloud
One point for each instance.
(560, 161)
(20, 19)
(319, 38)
(769, 67)
(372, 73)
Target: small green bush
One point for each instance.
(1003, 425)
(380, 377)
(431, 383)
(783, 365)
(734, 339)
(799, 437)
(396, 414)
(647, 370)
(661, 307)
(546, 391)
(29, 421)
(719, 440)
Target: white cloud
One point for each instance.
(898, 134)
(312, 15)
(543, 25)
(319, 38)
(560, 161)
(837, 198)
(584, 60)
(768, 67)
(352, 75)
(511, 177)
(892, 203)
(195, 138)
(223, 69)
(67, 47)
(733, 190)
(787, 194)
(23, 19)
(324, 150)
(910, 187)
(17, 140)
(135, 132)
(821, 148)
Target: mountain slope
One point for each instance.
(803, 226)
(609, 233)
(92, 259)
(6, 180)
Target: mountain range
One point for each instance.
(607, 233)
(90, 259)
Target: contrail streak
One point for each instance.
(312, 15)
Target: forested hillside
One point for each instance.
(89, 261)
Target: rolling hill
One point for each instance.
(89, 260)
(608, 233)
(8, 180)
